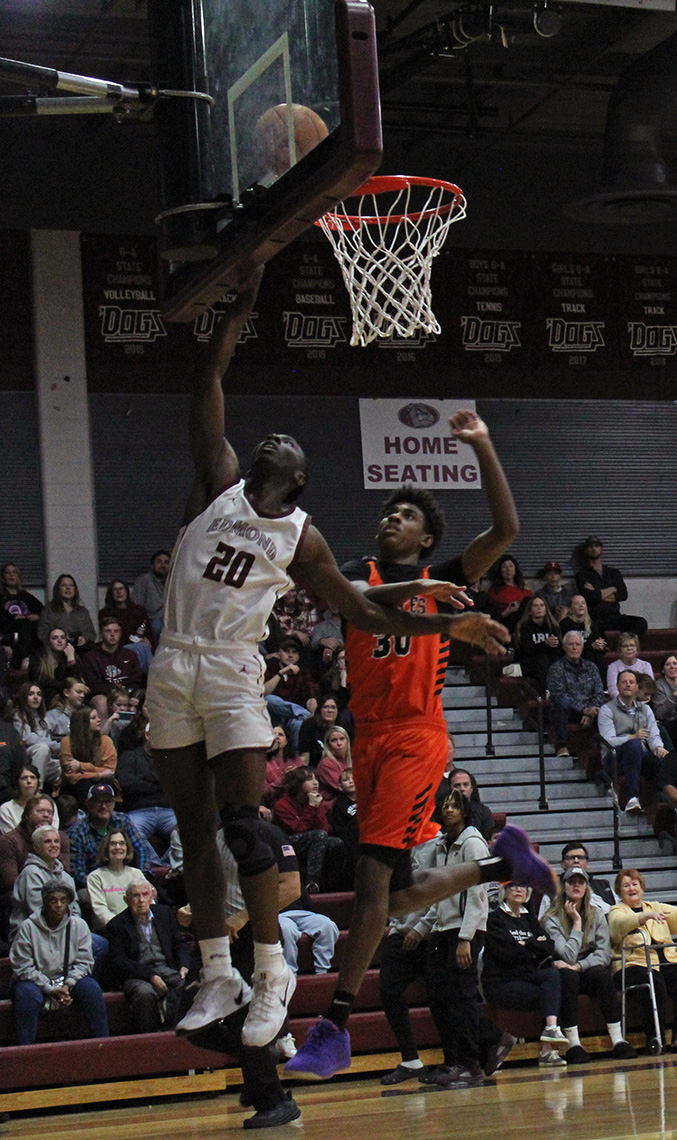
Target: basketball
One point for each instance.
(271, 135)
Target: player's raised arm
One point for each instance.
(479, 554)
(216, 464)
(317, 564)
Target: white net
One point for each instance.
(386, 251)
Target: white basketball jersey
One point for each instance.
(229, 567)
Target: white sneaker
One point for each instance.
(286, 1046)
(553, 1033)
(633, 804)
(268, 1007)
(216, 999)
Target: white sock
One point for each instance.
(615, 1034)
(417, 1064)
(572, 1035)
(268, 957)
(216, 961)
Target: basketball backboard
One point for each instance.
(226, 203)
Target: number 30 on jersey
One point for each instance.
(386, 645)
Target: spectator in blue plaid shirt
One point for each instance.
(86, 835)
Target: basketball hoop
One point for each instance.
(386, 257)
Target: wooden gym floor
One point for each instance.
(600, 1101)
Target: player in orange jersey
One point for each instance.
(401, 741)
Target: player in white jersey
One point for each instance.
(209, 726)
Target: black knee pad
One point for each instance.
(242, 832)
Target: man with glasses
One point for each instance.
(575, 854)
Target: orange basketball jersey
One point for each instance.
(397, 678)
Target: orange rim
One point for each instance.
(384, 183)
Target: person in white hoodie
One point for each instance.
(455, 927)
(41, 866)
(52, 961)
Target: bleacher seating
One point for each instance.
(62, 1057)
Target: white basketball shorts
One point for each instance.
(196, 693)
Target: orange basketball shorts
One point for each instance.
(397, 770)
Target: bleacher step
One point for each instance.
(504, 738)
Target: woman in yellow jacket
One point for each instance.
(659, 922)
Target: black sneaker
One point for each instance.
(468, 1076)
(282, 1113)
(402, 1073)
(498, 1053)
(623, 1050)
(429, 1077)
(576, 1055)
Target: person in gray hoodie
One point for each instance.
(52, 961)
(41, 866)
(455, 927)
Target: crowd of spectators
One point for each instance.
(520, 959)
(561, 645)
(90, 855)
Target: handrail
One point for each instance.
(491, 751)
(529, 689)
(617, 862)
(610, 782)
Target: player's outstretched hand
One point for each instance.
(468, 426)
(480, 630)
(444, 592)
(248, 289)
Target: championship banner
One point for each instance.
(483, 304)
(574, 322)
(531, 320)
(129, 347)
(409, 441)
(647, 315)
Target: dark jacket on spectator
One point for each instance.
(140, 783)
(344, 824)
(12, 758)
(533, 651)
(124, 943)
(101, 669)
(610, 576)
(511, 947)
(51, 687)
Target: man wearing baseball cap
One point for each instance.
(86, 835)
(556, 596)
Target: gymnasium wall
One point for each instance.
(576, 465)
(571, 474)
